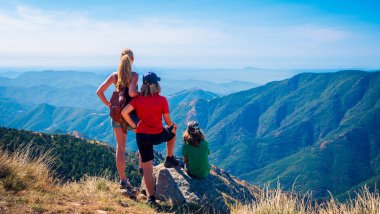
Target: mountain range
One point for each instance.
(94, 124)
(314, 131)
(87, 82)
(77, 89)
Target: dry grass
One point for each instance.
(19, 172)
(99, 193)
(277, 201)
(26, 186)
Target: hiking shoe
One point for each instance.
(124, 184)
(130, 194)
(152, 202)
(171, 162)
(130, 191)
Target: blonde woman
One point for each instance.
(151, 107)
(122, 78)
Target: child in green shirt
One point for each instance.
(195, 151)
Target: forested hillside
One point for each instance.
(319, 131)
(72, 157)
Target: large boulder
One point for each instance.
(217, 193)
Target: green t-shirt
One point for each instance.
(197, 159)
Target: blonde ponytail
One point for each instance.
(127, 51)
(124, 72)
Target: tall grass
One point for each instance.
(27, 186)
(20, 171)
(277, 201)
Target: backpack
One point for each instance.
(119, 100)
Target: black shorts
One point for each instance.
(145, 142)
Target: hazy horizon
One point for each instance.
(276, 34)
(257, 76)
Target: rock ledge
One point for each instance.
(216, 193)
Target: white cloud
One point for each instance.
(35, 37)
(36, 33)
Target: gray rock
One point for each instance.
(216, 194)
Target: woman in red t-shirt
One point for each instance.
(150, 108)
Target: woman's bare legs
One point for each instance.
(148, 166)
(140, 161)
(121, 138)
(148, 177)
(170, 144)
(170, 147)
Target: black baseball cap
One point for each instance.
(150, 78)
(193, 126)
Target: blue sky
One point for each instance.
(203, 34)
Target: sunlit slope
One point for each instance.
(325, 125)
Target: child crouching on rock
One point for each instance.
(151, 107)
(195, 151)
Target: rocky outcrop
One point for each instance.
(216, 193)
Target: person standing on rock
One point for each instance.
(151, 107)
(195, 151)
(125, 79)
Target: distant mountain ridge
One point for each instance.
(171, 86)
(60, 79)
(52, 119)
(77, 89)
(80, 96)
(190, 95)
(321, 129)
(73, 79)
(94, 124)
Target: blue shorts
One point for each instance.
(115, 124)
(118, 125)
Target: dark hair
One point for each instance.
(193, 140)
(193, 135)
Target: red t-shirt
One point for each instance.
(150, 110)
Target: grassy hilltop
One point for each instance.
(31, 182)
(27, 186)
